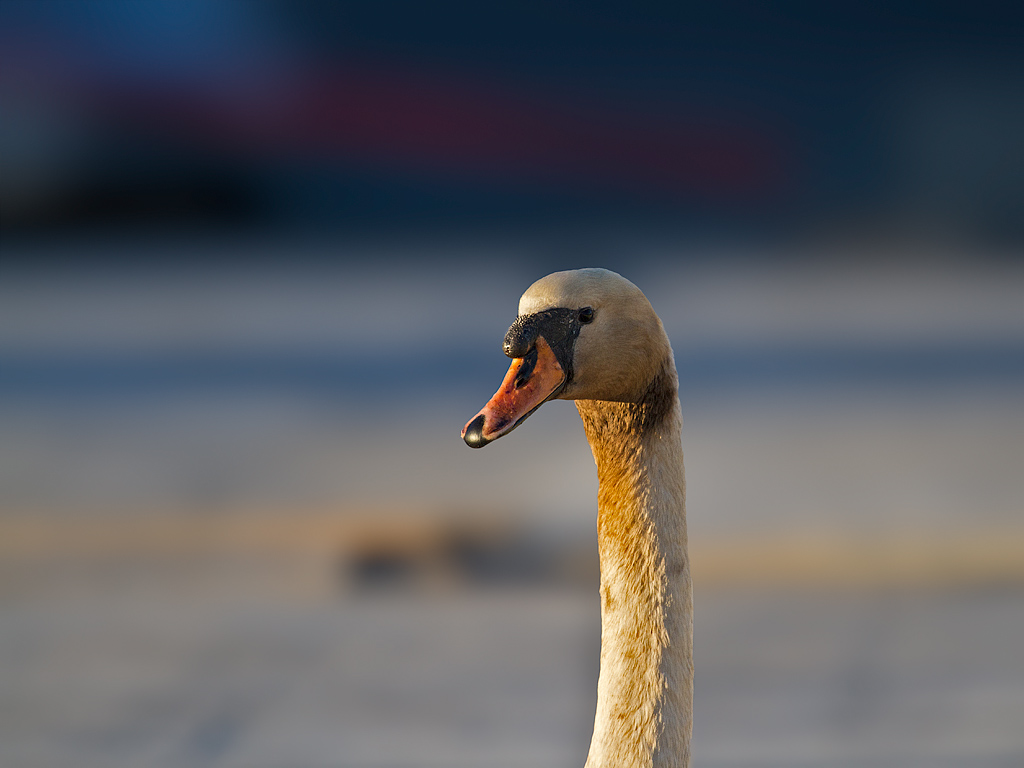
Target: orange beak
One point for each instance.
(529, 382)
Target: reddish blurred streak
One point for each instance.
(401, 119)
(381, 117)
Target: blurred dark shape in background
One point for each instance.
(851, 119)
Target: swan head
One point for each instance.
(585, 334)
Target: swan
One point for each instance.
(591, 336)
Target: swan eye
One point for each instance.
(586, 315)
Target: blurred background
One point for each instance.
(257, 262)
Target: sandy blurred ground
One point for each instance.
(227, 503)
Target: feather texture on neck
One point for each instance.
(645, 688)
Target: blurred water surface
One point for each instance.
(342, 382)
(174, 675)
(870, 409)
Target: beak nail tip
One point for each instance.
(474, 434)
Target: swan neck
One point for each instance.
(645, 687)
